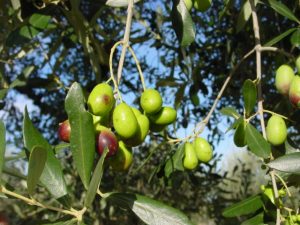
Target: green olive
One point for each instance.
(124, 121)
(276, 130)
(143, 129)
(283, 79)
(101, 100)
(190, 160)
(188, 4)
(203, 150)
(202, 5)
(165, 116)
(239, 135)
(151, 101)
(123, 159)
(294, 92)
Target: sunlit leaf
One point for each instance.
(119, 3)
(250, 96)
(283, 10)
(230, 111)
(244, 15)
(175, 162)
(256, 220)
(39, 21)
(289, 163)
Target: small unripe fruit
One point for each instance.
(202, 5)
(281, 192)
(190, 160)
(64, 131)
(188, 4)
(283, 79)
(101, 100)
(123, 159)
(165, 116)
(276, 130)
(298, 64)
(107, 139)
(294, 93)
(124, 121)
(151, 101)
(203, 150)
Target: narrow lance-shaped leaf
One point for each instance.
(278, 38)
(257, 144)
(182, 23)
(283, 10)
(150, 211)
(175, 162)
(82, 140)
(244, 207)
(244, 15)
(52, 176)
(295, 38)
(37, 160)
(289, 163)
(230, 111)
(118, 3)
(256, 220)
(96, 180)
(2, 147)
(250, 96)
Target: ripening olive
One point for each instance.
(151, 101)
(202, 5)
(294, 93)
(123, 159)
(276, 130)
(124, 121)
(142, 130)
(64, 131)
(3, 219)
(104, 139)
(165, 116)
(283, 79)
(101, 100)
(203, 150)
(190, 160)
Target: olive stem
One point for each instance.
(138, 67)
(260, 97)
(273, 113)
(284, 184)
(126, 38)
(31, 201)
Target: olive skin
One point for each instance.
(298, 64)
(101, 100)
(107, 139)
(294, 93)
(64, 131)
(276, 130)
(123, 159)
(151, 101)
(239, 135)
(165, 116)
(190, 160)
(203, 150)
(124, 121)
(283, 79)
(202, 5)
(188, 4)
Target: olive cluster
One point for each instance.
(200, 5)
(198, 151)
(121, 127)
(288, 84)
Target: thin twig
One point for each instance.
(260, 97)
(126, 38)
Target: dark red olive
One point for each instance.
(64, 131)
(107, 139)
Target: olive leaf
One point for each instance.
(2, 147)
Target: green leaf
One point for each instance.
(239, 135)
(250, 96)
(230, 111)
(295, 38)
(279, 37)
(256, 220)
(150, 211)
(118, 3)
(37, 161)
(2, 147)
(96, 180)
(283, 10)
(82, 140)
(244, 207)
(182, 23)
(3, 93)
(39, 21)
(175, 162)
(244, 15)
(52, 176)
(289, 163)
(235, 124)
(257, 144)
